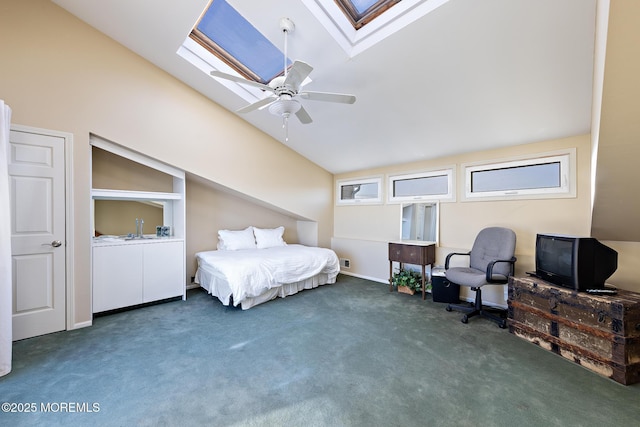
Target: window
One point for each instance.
(432, 185)
(226, 34)
(540, 177)
(367, 191)
(360, 12)
(357, 25)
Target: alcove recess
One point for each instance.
(130, 268)
(127, 185)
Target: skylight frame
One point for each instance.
(228, 58)
(215, 49)
(355, 41)
(360, 19)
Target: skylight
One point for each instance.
(363, 5)
(361, 12)
(228, 35)
(345, 19)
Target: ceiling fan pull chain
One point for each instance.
(285, 125)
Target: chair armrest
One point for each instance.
(490, 278)
(446, 261)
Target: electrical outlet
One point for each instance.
(345, 263)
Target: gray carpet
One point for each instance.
(349, 354)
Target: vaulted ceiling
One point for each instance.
(469, 75)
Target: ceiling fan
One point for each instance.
(286, 88)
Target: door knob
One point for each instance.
(56, 243)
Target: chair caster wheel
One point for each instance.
(448, 308)
(465, 319)
(502, 324)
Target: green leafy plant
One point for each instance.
(409, 278)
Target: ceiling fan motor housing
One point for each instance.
(280, 88)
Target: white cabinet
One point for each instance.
(131, 272)
(163, 268)
(137, 272)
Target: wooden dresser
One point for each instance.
(600, 333)
(411, 252)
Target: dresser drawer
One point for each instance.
(395, 252)
(411, 254)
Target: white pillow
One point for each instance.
(233, 240)
(269, 237)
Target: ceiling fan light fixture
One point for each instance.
(284, 107)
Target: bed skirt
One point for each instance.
(217, 287)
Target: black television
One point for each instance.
(578, 263)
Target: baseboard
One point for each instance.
(80, 325)
(386, 282)
(360, 276)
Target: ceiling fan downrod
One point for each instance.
(287, 26)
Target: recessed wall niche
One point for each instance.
(114, 172)
(127, 185)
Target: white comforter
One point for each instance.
(251, 272)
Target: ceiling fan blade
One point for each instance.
(240, 80)
(328, 97)
(297, 73)
(303, 116)
(257, 104)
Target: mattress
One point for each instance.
(252, 276)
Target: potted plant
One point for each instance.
(407, 281)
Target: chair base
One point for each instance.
(477, 310)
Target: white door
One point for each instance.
(37, 191)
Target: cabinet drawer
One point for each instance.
(395, 252)
(411, 254)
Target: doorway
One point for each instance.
(38, 177)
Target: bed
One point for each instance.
(253, 266)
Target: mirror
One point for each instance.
(420, 221)
(118, 217)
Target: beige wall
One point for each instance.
(210, 209)
(361, 232)
(617, 204)
(113, 172)
(58, 73)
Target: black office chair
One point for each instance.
(491, 261)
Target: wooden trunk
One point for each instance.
(601, 333)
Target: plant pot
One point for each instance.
(406, 290)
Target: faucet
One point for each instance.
(139, 227)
